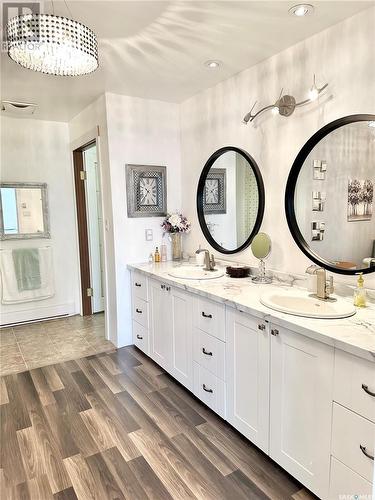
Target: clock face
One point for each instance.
(212, 191)
(148, 191)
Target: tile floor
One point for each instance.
(31, 346)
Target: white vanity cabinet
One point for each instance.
(140, 312)
(301, 406)
(307, 404)
(171, 343)
(247, 364)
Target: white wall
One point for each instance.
(83, 128)
(38, 151)
(145, 132)
(344, 57)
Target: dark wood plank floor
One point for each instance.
(115, 426)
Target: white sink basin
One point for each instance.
(195, 273)
(301, 304)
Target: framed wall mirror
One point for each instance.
(23, 210)
(329, 196)
(230, 199)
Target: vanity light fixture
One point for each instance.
(212, 64)
(301, 10)
(52, 44)
(286, 104)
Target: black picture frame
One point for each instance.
(200, 198)
(291, 186)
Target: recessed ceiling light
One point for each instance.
(212, 64)
(371, 124)
(301, 10)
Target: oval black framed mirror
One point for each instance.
(230, 199)
(329, 196)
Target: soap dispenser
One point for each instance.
(360, 293)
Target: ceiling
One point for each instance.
(156, 49)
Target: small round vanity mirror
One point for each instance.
(261, 248)
(230, 200)
(330, 196)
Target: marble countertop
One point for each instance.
(355, 334)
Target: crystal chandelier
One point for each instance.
(52, 44)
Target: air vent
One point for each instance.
(18, 108)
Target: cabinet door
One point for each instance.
(182, 339)
(160, 324)
(247, 362)
(301, 407)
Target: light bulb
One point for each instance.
(313, 93)
(275, 110)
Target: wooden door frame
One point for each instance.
(83, 237)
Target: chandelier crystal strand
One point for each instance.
(52, 44)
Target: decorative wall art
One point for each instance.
(318, 201)
(317, 230)
(214, 196)
(360, 199)
(146, 187)
(319, 170)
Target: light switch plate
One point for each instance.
(149, 234)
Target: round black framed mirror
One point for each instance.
(329, 196)
(230, 199)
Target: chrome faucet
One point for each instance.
(209, 262)
(324, 287)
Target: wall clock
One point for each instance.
(214, 195)
(146, 190)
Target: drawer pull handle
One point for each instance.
(207, 353)
(162, 287)
(274, 332)
(168, 288)
(137, 284)
(139, 337)
(138, 311)
(366, 389)
(262, 327)
(206, 315)
(365, 452)
(205, 388)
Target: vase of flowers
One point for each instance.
(175, 225)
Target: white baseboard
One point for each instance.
(37, 313)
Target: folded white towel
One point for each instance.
(10, 292)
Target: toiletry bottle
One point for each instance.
(157, 255)
(360, 293)
(163, 252)
(151, 258)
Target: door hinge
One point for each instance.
(89, 292)
(82, 175)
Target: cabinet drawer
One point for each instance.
(349, 432)
(346, 483)
(209, 316)
(140, 337)
(139, 285)
(209, 389)
(140, 311)
(209, 352)
(354, 384)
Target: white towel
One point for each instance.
(10, 292)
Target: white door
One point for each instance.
(95, 225)
(181, 315)
(247, 362)
(160, 324)
(301, 407)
